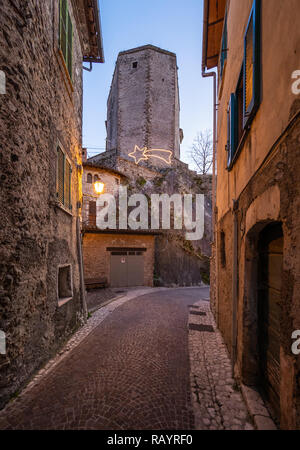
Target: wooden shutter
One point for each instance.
(249, 56)
(63, 28)
(252, 64)
(224, 47)
(60, 174)
(231, 128)
(70, 46)
(66, 35)
(67, 185)
(240, 104)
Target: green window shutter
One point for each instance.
(60, 175)
(70, 46)
(66, 35)
(252, 65)
(67, 184)
(224, 47)
(63, 28)
(232, 129)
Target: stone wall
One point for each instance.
(40, 109)
(143, 104)
(111, 180)
(271, 196)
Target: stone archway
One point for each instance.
(261, 317)
(262, 212)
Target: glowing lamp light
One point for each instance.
(99, 187)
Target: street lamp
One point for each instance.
(99, 187)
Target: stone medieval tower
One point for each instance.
(143, 105)
(143, 116)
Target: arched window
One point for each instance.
(96, 178)
(89, 178)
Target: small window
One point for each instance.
(117, 180)
(134, 65)
(63, 179)
(66, 35)
(96, 178)
(89, 178)
(64, 284)
(92, 213)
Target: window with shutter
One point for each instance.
(60, 175)
(223, 56)
(232, 128)
(252, 65)
(70, 46)
(68, 171)
(66, 35)
(92, 213)
(63, 181)
(239, 105)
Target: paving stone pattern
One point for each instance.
(136, 365)
(217, 402)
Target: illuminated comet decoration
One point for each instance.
(143, 154)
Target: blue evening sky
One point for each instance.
(174, 25)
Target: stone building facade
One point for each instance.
(143, 143)
(106, 252)
(92, 173)
(256, 253)
(105, 255)
(42, 48)
(143, 103)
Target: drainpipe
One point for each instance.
(234, 283)
(214, 75)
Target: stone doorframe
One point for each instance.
(264, 210)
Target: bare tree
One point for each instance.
(202, 151)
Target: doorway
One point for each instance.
(269, 299)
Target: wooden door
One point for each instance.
(271, 257)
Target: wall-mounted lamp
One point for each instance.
(99, 187)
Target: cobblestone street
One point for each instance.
(153, 361)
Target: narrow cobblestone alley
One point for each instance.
(145, 365)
